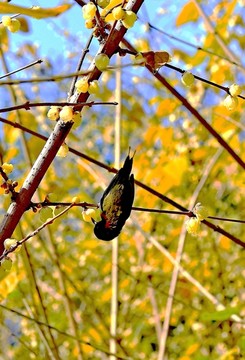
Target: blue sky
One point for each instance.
(48, 35)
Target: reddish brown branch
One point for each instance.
(193, 111)
(17, 208)
(140, 184)
(23, 198)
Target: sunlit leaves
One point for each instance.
(189, 12)
(38, 13)
(174, 156)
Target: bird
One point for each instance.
(116, 203)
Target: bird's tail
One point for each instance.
(128, 163)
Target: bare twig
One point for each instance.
(53, 78)
(39, 61)
(179, 253)
(197, 47)
(63, 333)
(215, 33)
(139, 183)
(27, 105)
(57, 138)
(79, 66)
(193, 111)
(85, 205)
(33, 233)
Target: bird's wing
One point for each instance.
(112, 203)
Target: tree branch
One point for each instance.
(139, 183)
(56, 139)
(193, 111)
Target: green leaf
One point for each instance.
(219, 315)
(36, 13)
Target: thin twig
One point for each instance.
(224, 88)
(33, 233)
(185, 273)
(182, 71)
(84, 53)
(45, 79)
(135, 208)
(139, 183)
(215, 33)
(41, 303)
(179, 253)
(194, 46)
(193, 111)
(39, 61)
(63, 333)
(56, 139)
(28, 105)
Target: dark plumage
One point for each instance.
(116, 203)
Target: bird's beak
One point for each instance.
(93, 221)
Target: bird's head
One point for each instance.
(104, 233)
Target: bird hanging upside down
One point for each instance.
(116, 203)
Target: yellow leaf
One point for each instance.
(230, 354)
(106, 296)
(4, 39)
(124, 284)
(106, 269)
(166, 135)
(184, 357)
(188, 13)
(198, 58)
(94, 334)
(9, 283)
(142, 45)
(87, 349)
(36, 13)
(154, 100)
(167, 266)
(24, 26)
(166, 107)
(206, 271)
(11, 134)
(175, 169)
(192, 349)
(199, 154)
(150, 134)
(225, 243)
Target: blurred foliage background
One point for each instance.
(56, 300)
